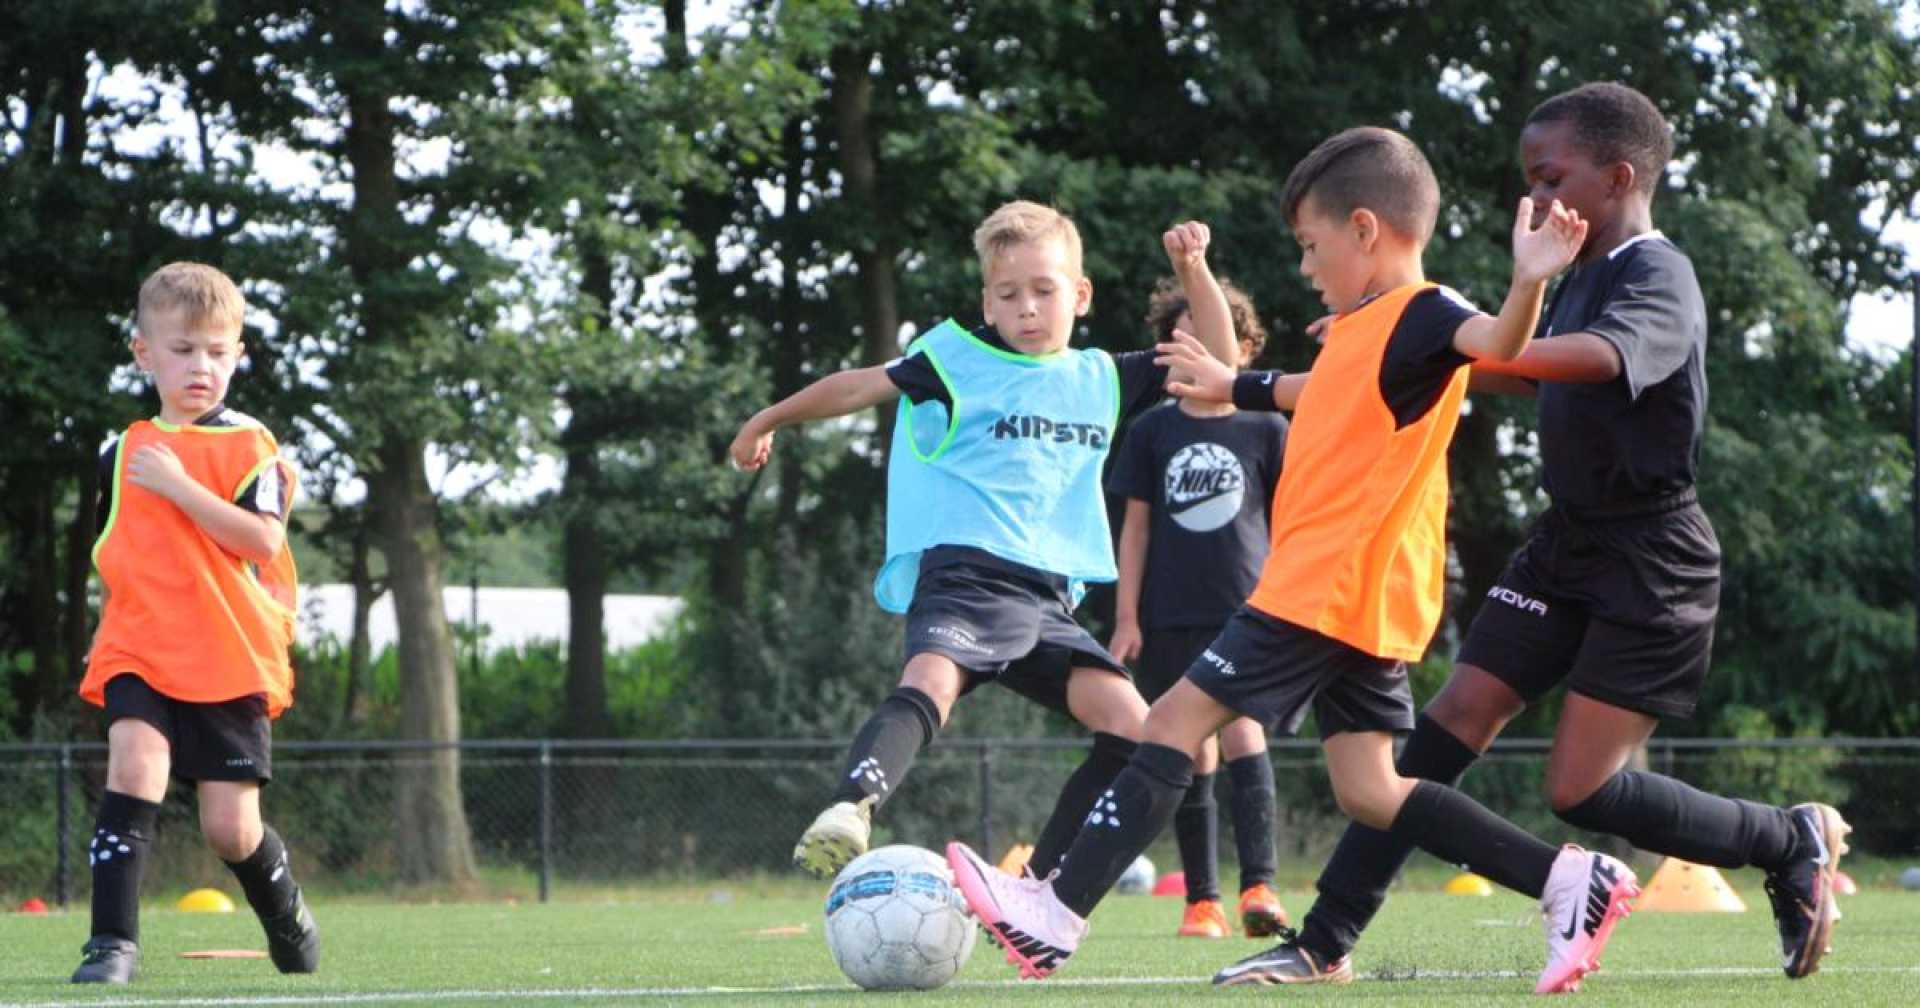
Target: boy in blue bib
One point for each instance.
(996, 520)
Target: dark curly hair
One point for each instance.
(1614, 123)
(1169, 302)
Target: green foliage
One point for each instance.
(1772, 776)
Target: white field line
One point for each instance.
(609, 993)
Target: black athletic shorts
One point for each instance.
(1165, 656)
(1271, 671)
(1621, 607)
(1002, 627)
(227, 741)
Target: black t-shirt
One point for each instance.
(1607, 444)
(265, 495)
(1209, 481)
(1142, 382)
(1420, 359)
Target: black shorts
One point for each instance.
(1001, 627)
(227, 741)
(1271, 671)
(1165, 656)
(1620, 608)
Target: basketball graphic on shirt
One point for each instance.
(1205, 485)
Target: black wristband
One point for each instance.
(1253, 390)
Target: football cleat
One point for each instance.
(1802, 892)
(1037, 931)
(1261, 914)
(1204, 919)
(838, 835)
(107, 959)
(1586, 895)
(1285, 963)
(293, 940)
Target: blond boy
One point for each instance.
(190, 659)
(995, 516)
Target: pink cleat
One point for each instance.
(1586, 896)
(1037, 931)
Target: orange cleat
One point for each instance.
(1260, 912)
(1205, 919)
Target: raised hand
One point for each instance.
(1543, 250)
(1186, 245)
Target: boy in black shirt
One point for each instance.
(1198, 479)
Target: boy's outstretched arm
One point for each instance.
(1186, 246)
(835, 395)
(249, 536)
(1539, 253)
(1570, 358)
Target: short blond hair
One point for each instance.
(208, 296)
(1019, 223)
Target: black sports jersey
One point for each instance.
(265, 495)
(1608, 444)
(1142, 382)
(1209, 482)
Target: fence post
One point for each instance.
(986, 799)
(62, 769)
(546, 819)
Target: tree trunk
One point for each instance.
(43, 590)
(432, 841)
(359, 685)
(80, 536)
(876, 254)
(586, 574)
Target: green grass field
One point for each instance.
(721, 945)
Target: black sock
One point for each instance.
(1253, 815)
(1124, 820)
(1458, 830)
(1663, 815)
(1354, 883)
(265, 876)
(904, 723)
(118, 854)
(1196, 828)
(1093, 776)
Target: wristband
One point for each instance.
(1253, 390)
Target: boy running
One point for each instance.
(1198, 478)
(190, 659)
(995, 519)
(1615, 590)
(1352, 586)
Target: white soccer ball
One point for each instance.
(896, 922)
(1138, 878)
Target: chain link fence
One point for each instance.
(546, 816)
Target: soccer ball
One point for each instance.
(896, 922)
(1137, 879)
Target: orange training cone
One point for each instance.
(1016, 858)
(1685, 887)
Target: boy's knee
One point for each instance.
(138, 760)
(232, 835)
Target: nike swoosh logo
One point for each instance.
(1180, 509)
(1572, 923)
(1235, 970)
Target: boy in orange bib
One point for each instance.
(190, 658)
(1353, 582)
